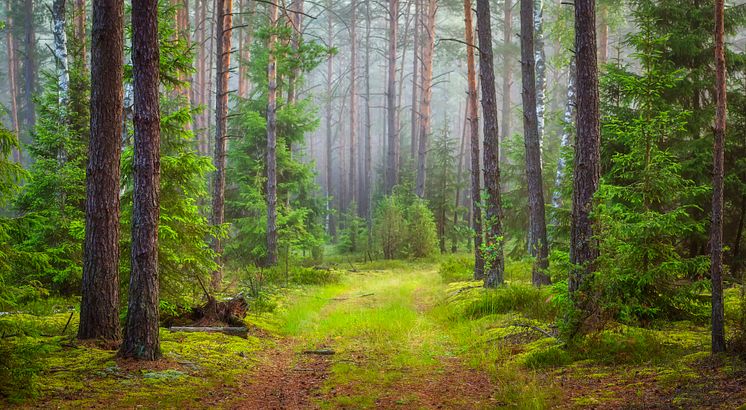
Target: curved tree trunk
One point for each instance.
(99, 308)
(141, 339)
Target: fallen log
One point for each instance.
(241, 331)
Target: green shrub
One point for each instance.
(421, 237)
(553, 356)
(534, 303)
(619, 346)
(457, 268)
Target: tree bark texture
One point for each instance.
(141, 340)
(272, 144)
(537, 235)
(99, 308)
(425, 125)
(493, 215)
(476, 191)
(567, 120)
(507, 78)
(586, 171)
(60, 50)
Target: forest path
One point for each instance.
(391, 350)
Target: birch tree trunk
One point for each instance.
(60, 50)
(428, 50)
(141, 339)
(568, 120)
(223, 31)
(493, 215)
(716, 229)
(541, 69)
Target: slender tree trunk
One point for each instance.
(586, 170)
(272, 143)
(209, 74)
(716, 229)
(603, 34)
(12, 85)
(459, 174)
(245, 51)
(332, 222)
(99, 308)
(540, 70)
(141, 340)
(537, 219)
(353, 101)
(415, 113)
(392, 163)
(295, 17)
(476, 191)
(368, 131)
(29, 65)
(223, 30)
(567, 120)
(80, 30)
(507, 78)
(60, 50)
(493, 216)
(427, 94)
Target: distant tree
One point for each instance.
(392, 110)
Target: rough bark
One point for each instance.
(537, 235)
(716, 229)
(99, 308)
(507, 78)
(586, 170)
(223, 29)
(60, 50)
(493, 215)
(425, 125)
(272, 144)
(392, 162)
(476, 191)
(141, 339)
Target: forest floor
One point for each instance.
(391, 336)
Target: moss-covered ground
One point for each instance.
(403, 338)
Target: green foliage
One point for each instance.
(531, 302)
(456, 268)
(553, 356)
(403, 226)
(354, 231)
(646, 202)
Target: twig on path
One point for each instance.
(536, 328)
(68, 322)
(353, 297)
(321, 352)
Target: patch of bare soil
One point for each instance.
(284, 379)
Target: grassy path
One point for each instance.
(391, 350)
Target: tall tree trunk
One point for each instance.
(716, 229)
(99, 308)
(295, 20)
(567, 121)
(12, 85)
(332, 222)
(415, 113)
(141, 340)
(353, 102)
(476, 191)
(80, 30)
(392, 162)
(459, 173)
(223, 31)
(540, 70)
(272, 143)
(29, 65)
(603, 34)
(507, 77)
(586, 170)
(247, 38)
(537, 218)
(428, 50)
(60, 50)
(493, 216)
(368, 170)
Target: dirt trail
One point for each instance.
(285, 379)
